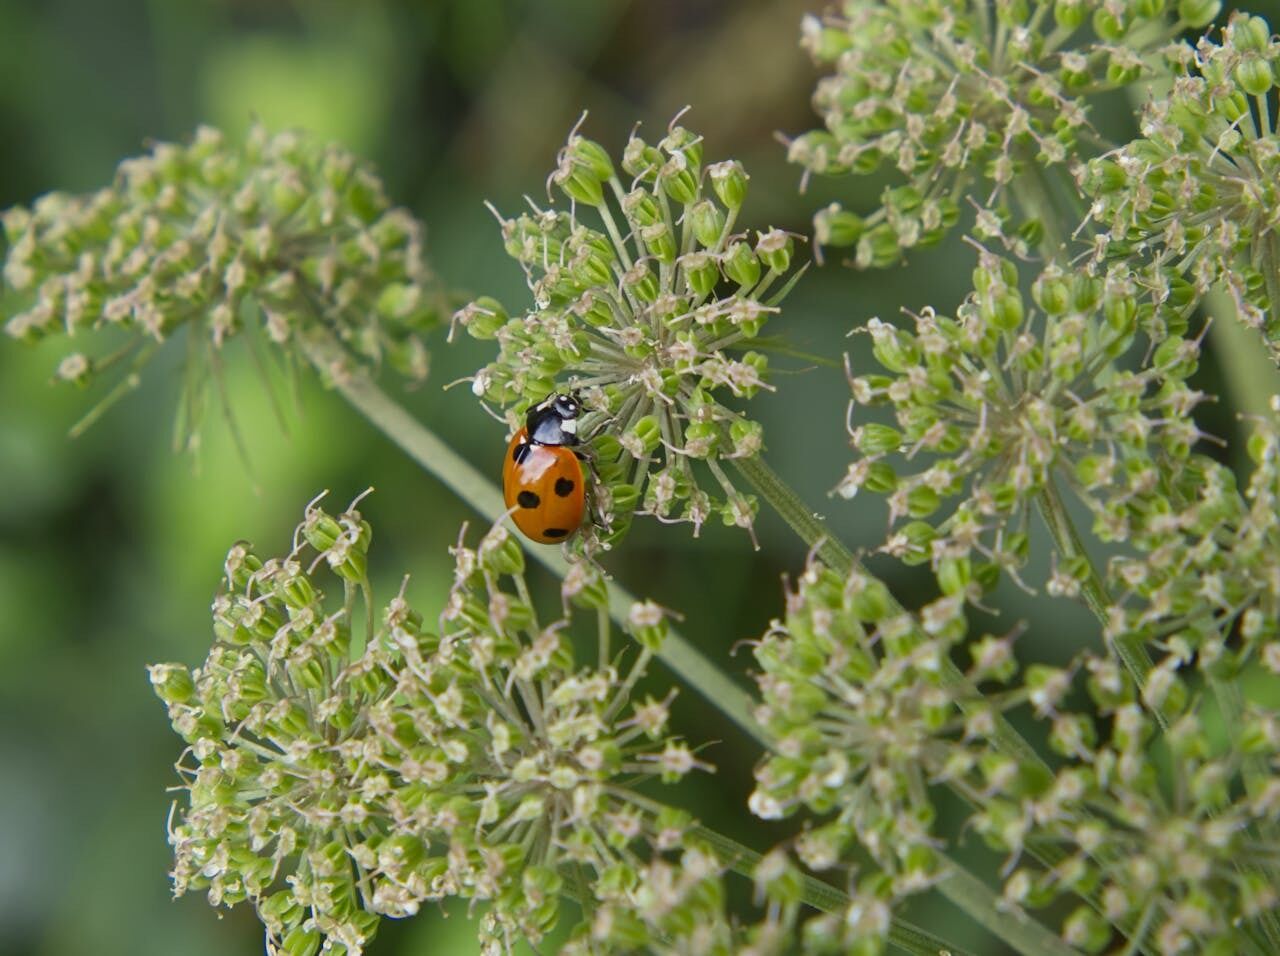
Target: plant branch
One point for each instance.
(1066, 539)
(1010, 923)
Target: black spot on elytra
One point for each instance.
(554, 533)
(564, 487)
(520, 453)
(527, 499)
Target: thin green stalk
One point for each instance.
(1034, 196)
(1252, 377)
(1230, 699)
(477, 490)
(1009, 923)
(1132, 653)
(1255, 773)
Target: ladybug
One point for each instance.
(541, 477)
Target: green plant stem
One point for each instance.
(1066, 539)
(1230, 699)
(824, 897)
(1033, 195)
(1249, 375)
(475, 488)
(1008, 922)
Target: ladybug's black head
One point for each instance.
(553, 421)
(565, 405)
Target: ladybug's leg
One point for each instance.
(593, 500)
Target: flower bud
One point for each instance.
(918, 537)
(700, 439)
(1051, 293)
(1254, 77)
(681, 140)
(640, 208)
(1086, 929)
(706, 220)
(659, 241)
(589, 153)
(740, 265)
(646, 434)
(1104, 176)
(1110, 24)
(301, 942)
(1248, 34)
(774, 249)
(877, 439)
(700, 273)
(647, 623)
(501, 553)
(835, 226)
(1003, 311)
(747, 437)
(729, 181)
(640, 160)
(640, 281)
(626, 498)
(678, 180)
(824, 43)
(172, 683)
(1198, 13)
(579, 185)
(954, 575)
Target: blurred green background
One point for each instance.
(111, 546)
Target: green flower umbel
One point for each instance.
(861, 725)
(866, 733)
(961, 96)
(648, 301)
(270, 237)
(1199, 191)
(1011, 396)
(474, 759)
(1206, 582)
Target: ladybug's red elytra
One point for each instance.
(541, 475)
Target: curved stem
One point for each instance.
(475, 488)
